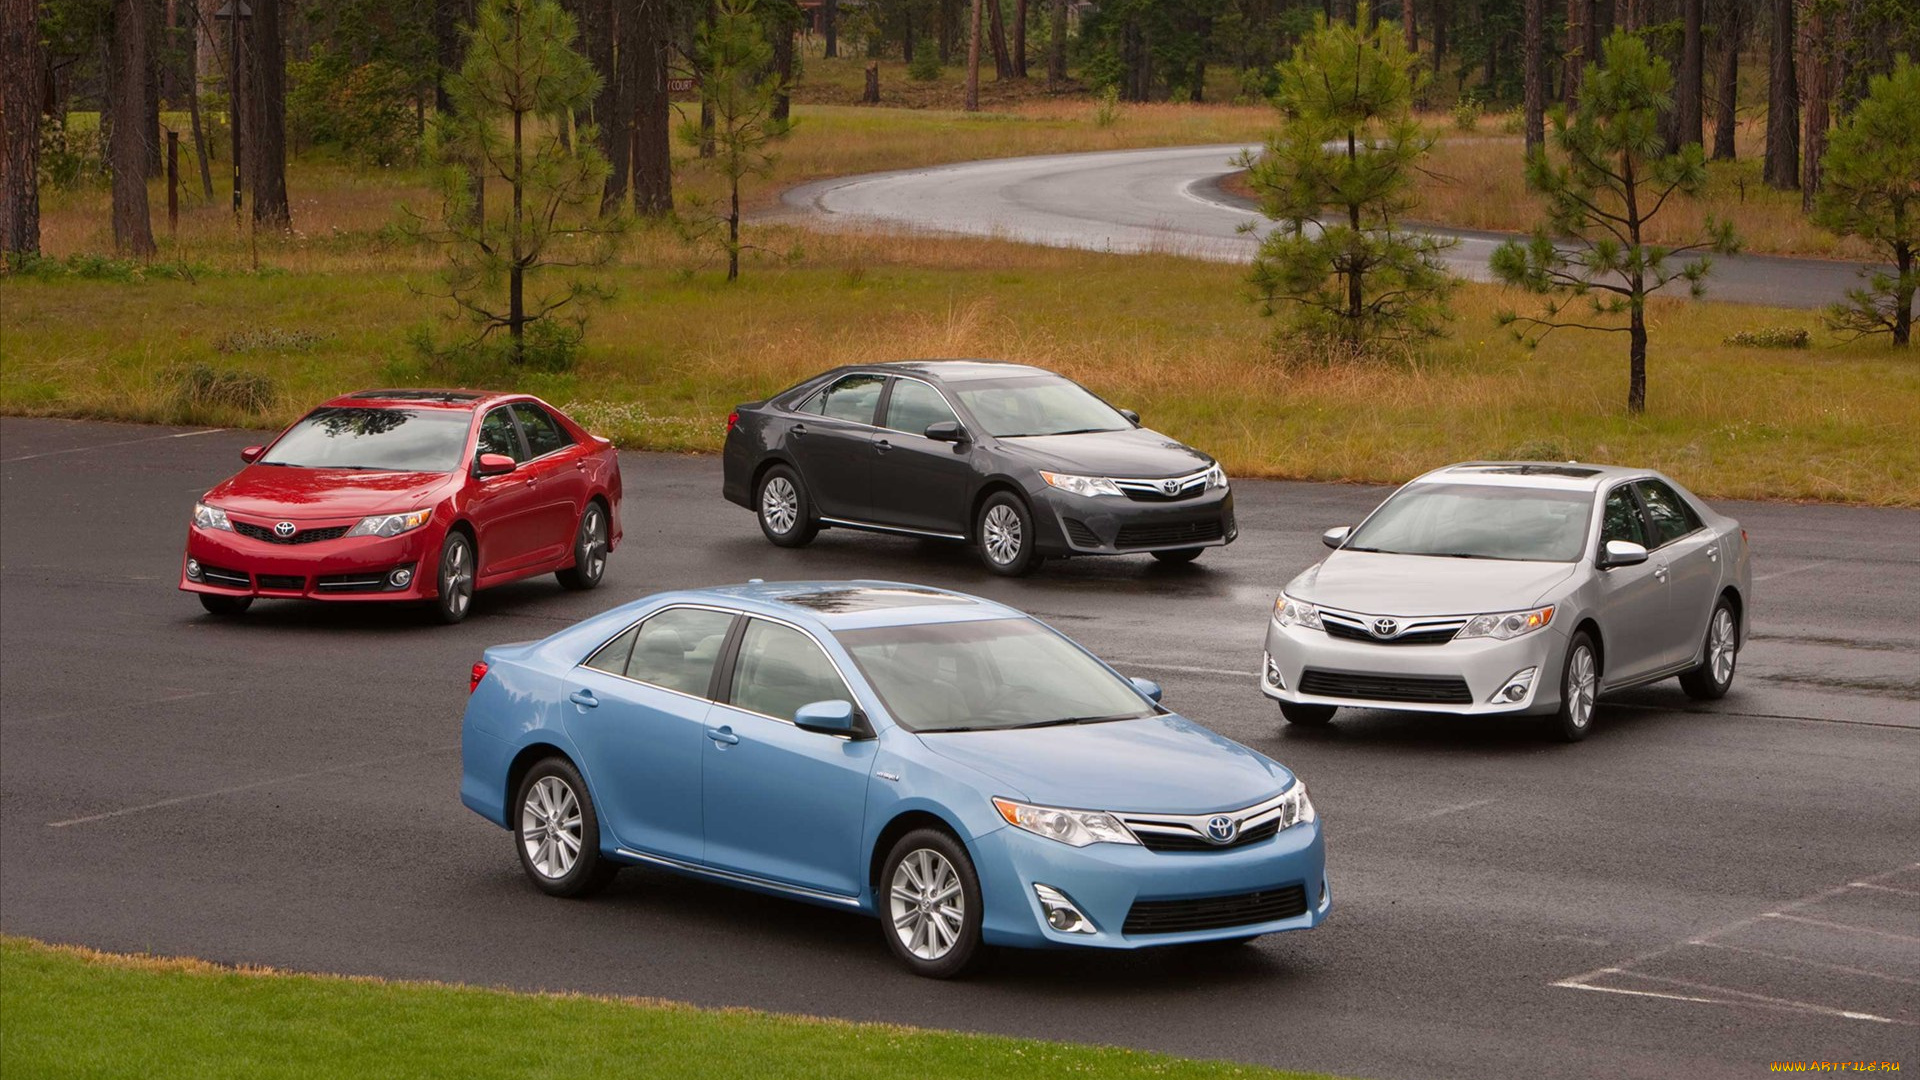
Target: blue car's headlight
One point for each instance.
(1296, 808)
(1075, 827)
(391, 524)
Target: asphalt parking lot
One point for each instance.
(1696, 890)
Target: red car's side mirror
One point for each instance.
(495, 465)
(252, 454)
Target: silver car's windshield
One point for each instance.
(410, 440)
(1479, 521)
(1037, 405)
(987, 676)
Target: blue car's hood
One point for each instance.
(1162, 765)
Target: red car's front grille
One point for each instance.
(303, 536)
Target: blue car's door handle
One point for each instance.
(584, 699)
(723, 735)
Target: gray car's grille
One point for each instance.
(1170, 534)
(1183, 487)
(1420, 689)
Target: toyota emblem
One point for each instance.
(283, 529)
(1171, 487)
(1385, 627)
(1221, 829)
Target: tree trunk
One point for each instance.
(1442, 11)
(1903, 294)
(733, 228)
(1574, 65)
(1057, 45)
(830, 26)
(1020, 39)
(128, 43)
(22, 74)
(1637, 360)
(782, 30)
(150, 100)
(1685, 128)
(653, 113)
(1534, 60)
(269, 135)
(599, 21)
(193, 103)
(706, 103)
(1727, 85)
(1410, 24)
(1783, 104)
(516, 262)
(997, 27)
(1816, 91)
(973, 59)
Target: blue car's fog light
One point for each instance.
(1061, 914)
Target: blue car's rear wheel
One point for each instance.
(930, 905)
(557, 832)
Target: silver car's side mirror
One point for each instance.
(1148, 687)
(1622, 553)
(1334, 537)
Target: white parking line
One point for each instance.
(103, 446)
(1795, 570)
(1747, 998)
(1804, 962)
(1842, 926)
(1186, 670)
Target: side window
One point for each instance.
(1672, 517)
(853, 398)
(544, 433)
(612, 657)
(781, 669)
(915, 406)
(676, 649)
(1621, 519)
(498, 437)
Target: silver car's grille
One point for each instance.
(1188, 832)
(1170, 489)
(1391, 629)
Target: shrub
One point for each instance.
(1466, 115)
(365, 110)
(270, 338)
(1771, 337)
(925, 66)
(198, 388)
(1106, 112)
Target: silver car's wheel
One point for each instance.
(927, 904)
(551, 828)
(1720, 654)
(779, 505)
(1720, 650)
(1579, 689)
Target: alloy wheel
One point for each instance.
(1582, 686)
(456, 578)
(1721, 647)
(1002, 529)
(927, 904)
(550, 827)
(779, 505)
(593, 542)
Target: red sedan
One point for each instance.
(408, 495)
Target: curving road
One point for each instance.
(1694, 891)
(1170, 201)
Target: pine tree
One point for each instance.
(741, 93)
(1872, 191)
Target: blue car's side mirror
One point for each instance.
(828, 718)
(1147, 687)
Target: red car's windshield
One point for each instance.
(402, 440)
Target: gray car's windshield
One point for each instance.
(988, 676)
(1476, 521)
(410, 440)
(1037, 405)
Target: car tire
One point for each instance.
(1003, 535)
(453, 597)
(217, 604)
(557, 833)
(1579, 689)
(589, 549)
(1721, 655)
(784, 510)
(927, 871)
(1308, 715)
(1178, 556)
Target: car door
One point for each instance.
(1632, 599)
(780, 803)
(557, 468)
(832, 438)
(919, 483)
(1691, 557)
(637, 711)
(504, 509)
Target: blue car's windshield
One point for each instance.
(411, 440)
(1479, 521)
(987, 676)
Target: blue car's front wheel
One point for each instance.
(557, 832)
(930, 907)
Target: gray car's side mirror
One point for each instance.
(1621, 553)
(1336, 536)
(1132, 417)
(828, 718)
(1147, 687)
(946, 431)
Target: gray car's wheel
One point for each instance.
(785, 512)
(454, 597)
(1307, 715)
(590, 543)
(1714, 676)
(1003, 535)
(217, 604)
(1178, 556)
(557, 832)
(930, 906)
(1579, 689)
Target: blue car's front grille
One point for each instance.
(1159, 841)
(1215, 912)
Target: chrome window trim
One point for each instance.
(845, 683)
(747, 879)
(920, 434)
(729, 612)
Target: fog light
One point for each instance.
(400, 577)
(193, 569)
(1061, 914)
(1516, 688)
(1273, 674)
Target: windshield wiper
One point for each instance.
(1065, 720)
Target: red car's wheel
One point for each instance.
(455, 597)
(589, 549)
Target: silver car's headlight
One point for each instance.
(1082, 485)
(384, 525)
(211, 517)
(1075, 827)
(1291, 612)
(1216, 478)
(1296, 808)
(1502, 626)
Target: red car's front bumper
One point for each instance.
(355, 568)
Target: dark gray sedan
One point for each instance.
(1018, 461)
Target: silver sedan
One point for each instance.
(1514, 587)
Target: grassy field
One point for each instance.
(78, 1013)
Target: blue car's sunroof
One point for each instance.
(841, 601)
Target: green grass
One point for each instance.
(77, 1013)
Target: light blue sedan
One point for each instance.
(943, 762)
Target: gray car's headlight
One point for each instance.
(1082, 485)
(1504, 625)
(1216, 478)
(211, 517)
(384, 525)
(1076, 827)
(1291, 612)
